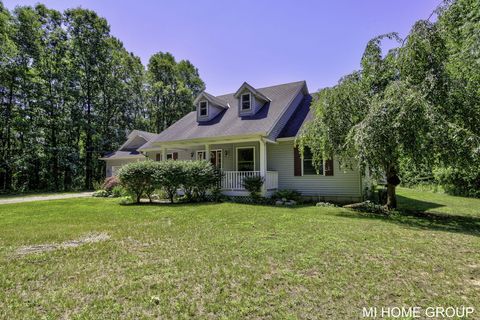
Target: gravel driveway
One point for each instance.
(46, 197)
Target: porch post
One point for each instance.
(164, 154)
(263, 165)
(207, 152)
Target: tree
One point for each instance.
(89, 34)
(172, 87)
(70, 92)
(407, 105)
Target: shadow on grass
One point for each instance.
(413, 213)
(410, 204)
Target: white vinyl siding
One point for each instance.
(344, 183)
(117, 164)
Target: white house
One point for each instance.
(249, 132)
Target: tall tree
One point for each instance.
(89, 42)
(404, 105)
(69, 92)
(172, 87)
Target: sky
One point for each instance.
(263, 42)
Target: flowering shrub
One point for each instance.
(110, 183)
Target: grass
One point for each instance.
(439, 203)
(233, 261)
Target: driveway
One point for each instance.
(46, 197)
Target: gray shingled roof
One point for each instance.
(129, 154)
(147, 135)
(302, 115)
(228, 122)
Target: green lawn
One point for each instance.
(438, 203)
(234, 261)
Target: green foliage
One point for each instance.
(118, 191)
(419, 104)
(140, 178)
(101, 194)
(287, 194)
(253, 184)
(169, 176)
(172, 87)
(124, 200)
(70, 92)
(198, 177)
(459, 181)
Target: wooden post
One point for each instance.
(263, 165)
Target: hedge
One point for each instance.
(196, 178)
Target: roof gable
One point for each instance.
(212, 99)
(255, 92)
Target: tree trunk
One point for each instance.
(391, 197)
(392, 182)
(89, 145)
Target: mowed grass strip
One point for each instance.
(229, 261)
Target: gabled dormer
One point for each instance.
(250, 100)
(208, 106)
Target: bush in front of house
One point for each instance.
(287, 195)
(118, 191)
(199, 177)
(169, 176)
(253, 185)
(140, 178)
(196, 178)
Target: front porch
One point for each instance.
(232, 181)
(235, 159)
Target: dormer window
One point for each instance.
(246, 101)
(203, 109)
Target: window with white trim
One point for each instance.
(215, 157)
(307, 164)
(246, 103)
(203, 112)
(246, 159)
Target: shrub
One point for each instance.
(101, 194)
(287, 194)
(198, 178)
(465, 181)
(118, 191)
(325, 204)
(253, 185)
(110, 183)
(169, 176)
(125, 200)
(139, 178)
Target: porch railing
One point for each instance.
(233, 180)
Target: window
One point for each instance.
(158, 156)
(307, 163)
(215, 157)
(246, 103)
(246, 159)
(203, 108)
